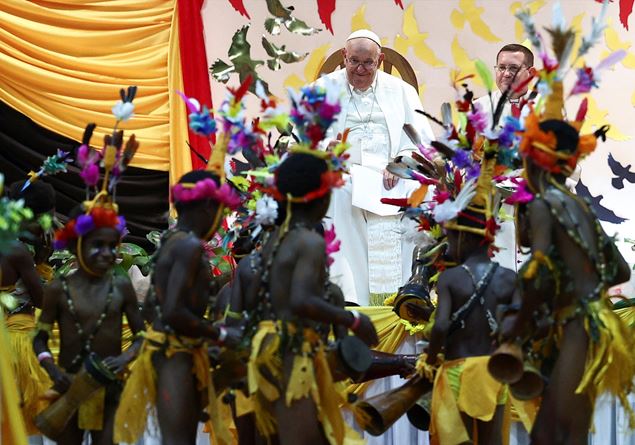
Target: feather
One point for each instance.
(582, 110)
(485, 74)
(443, 149)
(193, 105)
(412, 134)
(425, 165)
(557, 19)
(400, 170)
(88, 133)
(450, 209)
(430, 117)
(446, 114)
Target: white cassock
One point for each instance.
(373, 258)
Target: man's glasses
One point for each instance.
(512, 69)
(354, 63)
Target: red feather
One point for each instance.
(242, 89)
(239, 7)
(325, 10)
(581, 114)
(398, 3)
(400, 202)
(520, 87)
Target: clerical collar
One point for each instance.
(372, 88)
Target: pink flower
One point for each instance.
(332, 244)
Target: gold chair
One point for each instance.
(392, 59)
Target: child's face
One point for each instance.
(99, 249)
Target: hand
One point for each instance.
(508, 328)
(407, 368)
(366, 331)
(390, 180)
(418, 312)
(61, 380)
(117, 363)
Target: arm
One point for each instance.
(135, 322)
(337, 298)
(22, 262)
(307, 288)
(540, 230)
(187, 259)
(442, 317)
(50, 309)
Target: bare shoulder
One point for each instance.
(310, 242)
(183, 247)
(505, 274)
(451, 275)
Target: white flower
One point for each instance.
(123, 110)
(266, 211)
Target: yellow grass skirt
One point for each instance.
(310, 377)
(30, 379)
(140, 392)
(610, 361)
(463, 386)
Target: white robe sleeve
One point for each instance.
(412, 102)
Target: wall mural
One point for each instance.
(443, 38)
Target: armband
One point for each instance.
(357, 320)
(44, 355)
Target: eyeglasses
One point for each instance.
(354, 63)
(512, 69)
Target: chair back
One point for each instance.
(392, 59)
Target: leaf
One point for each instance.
(485, 74)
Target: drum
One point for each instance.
(349, 358)
(92, 376)
(411, 293)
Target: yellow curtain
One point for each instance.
(63, 62)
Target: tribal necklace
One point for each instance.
(87, 340)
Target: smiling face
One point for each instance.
(512, 62)
(362, 58)
(99, 250)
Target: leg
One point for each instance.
(490, 433)
(299, 422)
(569, 413)
(104, 437)
(178, 402)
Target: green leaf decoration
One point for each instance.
(485, 74)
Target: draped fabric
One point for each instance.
(142, 194)
(194, 69)
(63, 62)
